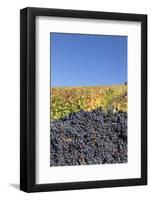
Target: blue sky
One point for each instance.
(87, 60)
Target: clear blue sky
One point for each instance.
(87, 60)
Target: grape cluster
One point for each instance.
(84, 138)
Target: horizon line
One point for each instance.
(90, 85)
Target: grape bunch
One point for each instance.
(86, 138)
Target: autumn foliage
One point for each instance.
(66, 100)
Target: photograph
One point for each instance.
(88, 99)
(83, 99)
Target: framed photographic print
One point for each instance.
(83, 99)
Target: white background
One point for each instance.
(9, 99)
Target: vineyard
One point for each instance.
(67, 100)
(88, 125)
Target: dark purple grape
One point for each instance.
(92, 137)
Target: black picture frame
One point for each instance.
(28, 99)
